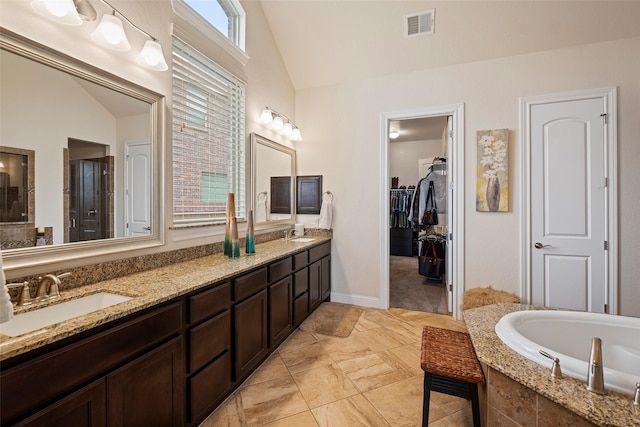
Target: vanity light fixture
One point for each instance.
(281, 123)
(109, 33)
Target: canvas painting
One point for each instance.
(492, 169)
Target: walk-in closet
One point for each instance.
(418, 231)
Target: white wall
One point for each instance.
(403, 159)
(343, 138)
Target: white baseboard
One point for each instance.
(356, 300)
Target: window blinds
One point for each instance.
(208, 138)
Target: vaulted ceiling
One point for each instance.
(327, 42)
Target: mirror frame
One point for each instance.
(79, 251)
(261, 140)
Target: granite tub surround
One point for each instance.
(147, 289)
(531, 392)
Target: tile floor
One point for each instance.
(371, 378)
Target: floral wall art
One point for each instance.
(492, 182)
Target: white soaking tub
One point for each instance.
(568, 334)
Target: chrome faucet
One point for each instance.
(49, 286)
(595, 376)
(288, 233)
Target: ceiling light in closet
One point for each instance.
(394, 129)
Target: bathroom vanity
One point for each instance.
(189, 335)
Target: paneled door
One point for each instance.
(568, 149)
(138, 191)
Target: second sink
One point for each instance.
(49, 315)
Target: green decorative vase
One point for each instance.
(250, 244)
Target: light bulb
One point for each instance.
(110, 33)
(287, 129)
(296, 135)
(61, 11)
(266, 116)
(277, 124)
(151, 56)
(394, 134)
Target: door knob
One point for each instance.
(539, 245)
(147, 228)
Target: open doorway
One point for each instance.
(428, 153)
(418, 238)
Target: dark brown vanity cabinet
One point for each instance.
(280, 298)
(250, 319)
(209, 356)
(130, 372)
(171, 364)
(300, 287)
(319, 274)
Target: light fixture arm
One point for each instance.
(129, 21)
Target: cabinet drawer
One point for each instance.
(300, 260)
(319, 251)
(208, 387)
(209, 340)
(300, 282)
(279, 269)
(249, 284)
(209, 303)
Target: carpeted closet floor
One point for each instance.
(411, 291)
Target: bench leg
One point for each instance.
(475, 404)
(425, 399)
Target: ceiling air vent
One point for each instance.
(419, 23)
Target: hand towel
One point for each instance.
(6, 308)
(325, 215)
(261, 210)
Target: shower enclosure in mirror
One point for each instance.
(272, 182)
(16, 186)
(98, 141)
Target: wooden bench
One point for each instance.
(450, 366)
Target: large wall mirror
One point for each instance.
(97, 141)
(273, 171)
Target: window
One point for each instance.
(208, 138)
(226, 16)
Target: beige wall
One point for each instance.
(343, 138)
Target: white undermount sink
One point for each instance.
(303, 240)
(40, 318)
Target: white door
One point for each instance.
(569, 204)
(138, 189)
(450, 216)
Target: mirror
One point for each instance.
(16, 187)
(273, 169)
(98, 142)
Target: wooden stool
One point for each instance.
(450, 366)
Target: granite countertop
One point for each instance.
(612, 409)
(147, 289)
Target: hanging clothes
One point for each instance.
(419, 202)
(399, 207)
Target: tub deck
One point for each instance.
(612, 409)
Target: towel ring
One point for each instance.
(328, 193)
(262, 193)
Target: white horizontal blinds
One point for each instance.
(208, 138)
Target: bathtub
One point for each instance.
(567, 335)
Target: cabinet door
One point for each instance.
(315, 279)
(280, 310)
(250, 325)
(149, 390)
(325, 279)
(85, 407)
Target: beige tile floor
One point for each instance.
(371, 378)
